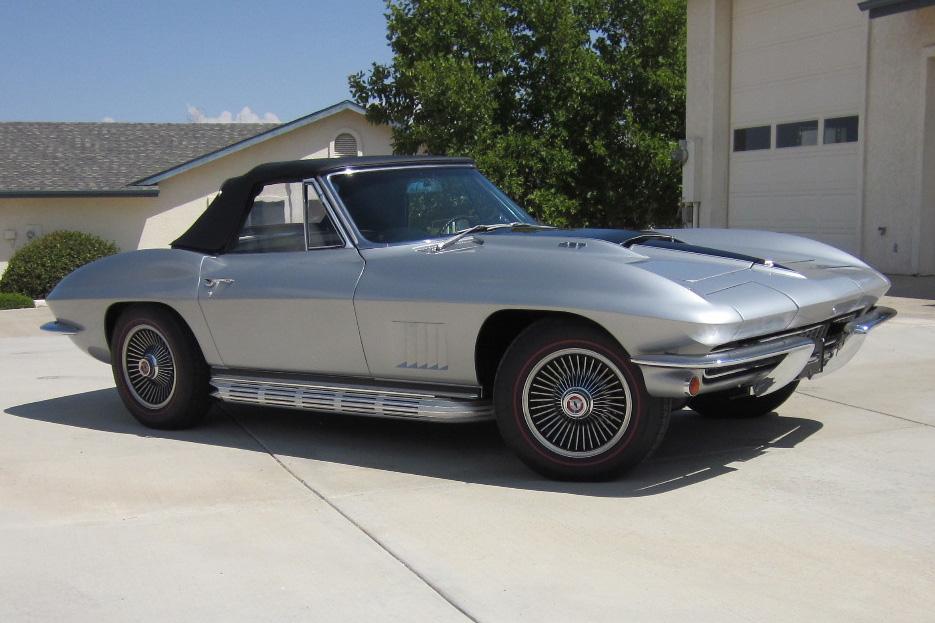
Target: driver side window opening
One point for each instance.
(321, 231)
(277, 204)
(281, 216)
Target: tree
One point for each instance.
(573, 107)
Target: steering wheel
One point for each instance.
(451, 225)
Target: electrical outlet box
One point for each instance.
(9, 234)
(691, 170)
(33, 232)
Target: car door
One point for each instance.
(282, 298)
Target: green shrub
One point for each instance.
(38, 267)
(10, 300)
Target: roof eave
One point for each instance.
(882, 8)
(249, 142)
(32, 194)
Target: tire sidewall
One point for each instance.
(178, 412)
(538, 342)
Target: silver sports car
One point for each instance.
(414, 288)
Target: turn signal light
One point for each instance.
(694, 386)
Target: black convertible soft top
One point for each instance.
(217, 228)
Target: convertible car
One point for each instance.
(411, 287)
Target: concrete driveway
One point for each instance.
(822, 512)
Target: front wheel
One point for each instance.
(572, 406)
(160, 372)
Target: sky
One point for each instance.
(171, 61)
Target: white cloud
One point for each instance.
(246, 115)
(108, 120)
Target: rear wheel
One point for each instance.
(732, 405)
(572, 406)
(160, 372)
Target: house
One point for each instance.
(142, 184)
(816, 117)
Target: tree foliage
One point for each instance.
(573, 107)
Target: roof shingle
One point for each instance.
(104, 158)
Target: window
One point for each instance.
(841, 130)
(799, 134)
(321, 231)
(277, 221)
(344, 145)
(408, 204)
(751, 139)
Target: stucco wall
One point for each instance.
(154, 222)
(708, 111)
(895, 191)
(121, 220)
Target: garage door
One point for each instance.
(796, 96)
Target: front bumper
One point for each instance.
(764, 366)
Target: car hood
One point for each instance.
(773, 281)
(755, 247)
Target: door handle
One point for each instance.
(211, 283)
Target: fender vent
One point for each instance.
(421, 345)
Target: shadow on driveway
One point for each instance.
(695, 449)
(912, 287)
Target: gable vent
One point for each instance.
(344, 145)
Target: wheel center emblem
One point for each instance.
(148, 366)
(576, 403)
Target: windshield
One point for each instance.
(412, 203)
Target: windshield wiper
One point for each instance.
(441, 246)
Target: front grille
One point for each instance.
(824, 332)
(726, 373)
(827, 336)
(816, 333)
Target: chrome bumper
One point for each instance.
(855, 332)
(763, 367)
(61, 327)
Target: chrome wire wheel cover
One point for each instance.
(149, 366)
(576, 402)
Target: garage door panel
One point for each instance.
(801, 99)
(811, 191)
(827, 217)
(809, 169)
(766, 22)
(814, 56)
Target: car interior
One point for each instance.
(275, 222)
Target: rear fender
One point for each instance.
(165, 276)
